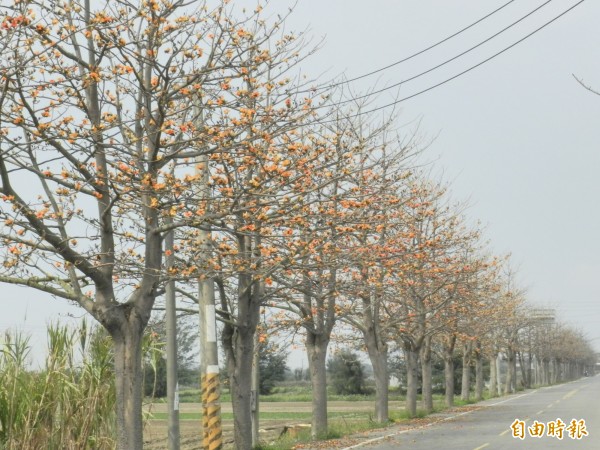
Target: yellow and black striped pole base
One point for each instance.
(211, 412)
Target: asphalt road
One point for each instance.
(490, 426)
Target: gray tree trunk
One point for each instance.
(239, 364)
(238, 342)
(466, 372)
(514, 372)
(128, 373)
(524, 369)
(316, 348)
(478, 372)
(412, 357)
(509, 383)
(493, 374)
(530, 380)
(557, 374)
(449, 371)
(499, 373)
(426, 389)
(378, 358)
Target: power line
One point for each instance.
(414, 77)
(461, 73)
(411, 56)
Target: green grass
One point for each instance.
(267, 415)
(282, 394)
(359, 422)
(340, 427)
(285, 442)
(403, 415)
(337, 428)
(340, 423)
(460, 402)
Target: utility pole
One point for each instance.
(255, 390)
(171, 331)
(255, 386)
(210, 385)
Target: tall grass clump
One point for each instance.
(69, 403)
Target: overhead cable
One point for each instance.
(447, 80)
(414, 77)
(381, 69)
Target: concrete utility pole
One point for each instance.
(255, 390)
(255, 387)
(171, 331)
(210, 385)
(211, 403)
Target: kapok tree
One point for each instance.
(99, 131)
(512, 326)
(314, 240)
(428, 272)
(472, 299)
(258, 190)
(473, 320)
(491, 311)
(261, 185)
(458, 302)
(377, 244)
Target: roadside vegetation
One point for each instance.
(69, 401)
(155, 148)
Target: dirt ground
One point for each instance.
(155, 432)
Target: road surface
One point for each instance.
(489, 427)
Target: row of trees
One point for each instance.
(124, 122)
(110, 116)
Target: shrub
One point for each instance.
(346, 373)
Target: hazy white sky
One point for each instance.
(517, 137)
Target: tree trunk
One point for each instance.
(128, 373)
(478, 372)
(508, 381)
(412, 357)
(514, 372)
(546, 371)
(239, 365)
(378, 358)
(529, 369)
(427, 395)
(499, 372)
(449, 371)
(493, 374)
(466, 372)
(238, 342)
(508, 386)
(524, 374)
(316, 347)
